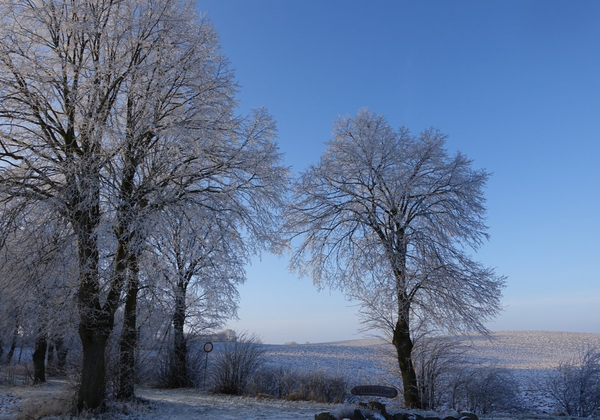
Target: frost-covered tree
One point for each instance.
(388, 217)
(176, 97)
(110, 112)
(37, 274)
(575, 385)
(62, 66)
(199, 260)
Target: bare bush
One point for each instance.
(316, 386)
(484, 390)
(321, 387)
(435, 360)
(271, 381)
(575, 385)
(236, 362)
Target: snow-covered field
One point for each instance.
(528, 354)
(360, 361)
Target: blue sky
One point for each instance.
(514, 84)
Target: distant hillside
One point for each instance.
(531, 349)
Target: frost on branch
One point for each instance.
(114, 116)
(388, 217)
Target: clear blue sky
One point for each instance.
(516, 86)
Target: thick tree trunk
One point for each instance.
(39, 359)
(92, 389)
(179, 373)
(404, 347)
(129, 337)
(96, 321)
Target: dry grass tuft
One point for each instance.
(36, 408)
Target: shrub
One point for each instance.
(320, 387)
(235, 363)
(435, 360)
(316, 386)
(275, 382)
(485, 390)
(575, 385)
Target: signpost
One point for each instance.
(208, 347)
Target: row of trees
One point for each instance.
(117, 119)
(123, 167)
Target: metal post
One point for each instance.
(205, 369)
(208, 347)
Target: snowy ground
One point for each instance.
(529, 355)
(360, 361)
(182, 404)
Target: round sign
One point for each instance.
(208, 347)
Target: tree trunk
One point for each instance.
(129, 337)
(95, 326)
(39, 358)
(20, 353)
(179, 373)
(404, 347)
(13, 344)
(61, 354)
(51, 359)
(1, 348)
(126, 268)
(92, 389)
(96, 320)
(51, 354)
